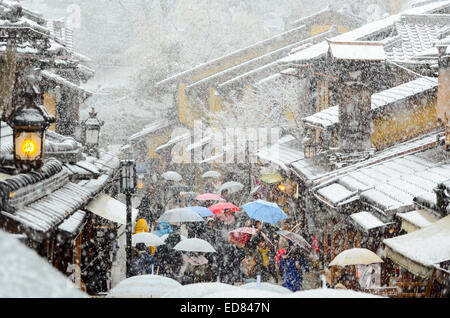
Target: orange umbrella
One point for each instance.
(220, 208)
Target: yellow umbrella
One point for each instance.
(272, 178)
(356, 256)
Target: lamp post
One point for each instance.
(128, 184)
(91, 132)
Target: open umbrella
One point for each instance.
(211, 174)
(264, 211)
(296, 239)
(267, 287)
(271, 178)
(208, 197)
(172, 176)
(201, 210)
(198, 290)
(149, 239)
(195, 245)
(219, 208)
(242, 235)
(180, 215)
(356, 256)
(231, 187)
(143, 286)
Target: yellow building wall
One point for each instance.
(393, 128)
(155, 142)
(216, 104)
(188, 110)
(50, 105)
(318, 29)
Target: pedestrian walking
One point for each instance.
(265, 265)
(170, 260)
(143, 262)
(293, 264)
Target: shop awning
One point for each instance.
(416, 220)
(111, 209)
(421, 250)
(367, 221)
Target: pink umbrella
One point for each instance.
(208, 197)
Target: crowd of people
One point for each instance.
(265, 254)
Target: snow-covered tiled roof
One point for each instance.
(281, 153)
(329, 117)
(43, 215)
(417, 33)
(72, 223)
(378, 186)
(364, 33)
(149, 129)
(366, 220)
(316, 174)
(420, 250)
(357, 50)
(326, 118)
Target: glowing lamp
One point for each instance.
(282, 187)
(29, 124)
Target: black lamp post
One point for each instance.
(128, 184)
(91, 132)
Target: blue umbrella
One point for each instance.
(202, 211)
(162, 228)
(264, 211)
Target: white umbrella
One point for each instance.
(356, 256)
(211, 174)
(172, 176)
(149, 239)
(267, 287)
(231, 187)
(143, 286)
(199, 290)
(179, 215)
(194, 245)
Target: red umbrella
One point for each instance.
(219, 208)
(208, 197)
(241, 236)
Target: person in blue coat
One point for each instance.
(143, 261)
(292, 266)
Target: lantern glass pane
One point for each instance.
(92, 136)
(28, 145)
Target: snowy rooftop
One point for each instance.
(316, 174)
(367, 220)
(281, 153)
(416, 34)
(149, 129)
(329, 117)
(357, 50)
(427, 247)
(392, 184)
(364, 33)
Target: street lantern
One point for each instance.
(91, 130)
(128, 177)
(29, 124)
(128, 184)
